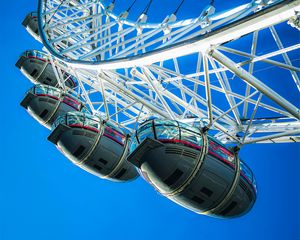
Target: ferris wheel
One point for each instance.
(233, 73)
(194, 70)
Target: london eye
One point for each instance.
(172, 100)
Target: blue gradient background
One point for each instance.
(43, 196)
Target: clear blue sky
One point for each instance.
(43, 196)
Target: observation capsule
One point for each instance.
(193, 169)
(31, 24)
(94, 145)
(36, 66)
(46, 103)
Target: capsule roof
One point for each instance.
(85, 119)
(175, 123)
(53, 91)
(168, 122)
(35, 54)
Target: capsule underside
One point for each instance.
(95, 153)
(172, 170)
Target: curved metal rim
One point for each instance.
(176, 45)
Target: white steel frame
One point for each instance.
(130, 71)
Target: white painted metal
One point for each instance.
(129, 71)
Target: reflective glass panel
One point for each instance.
(72, 102)
(145, 131)
(221, 151)
(133, 144)
(166, 132)
(245, 169)
(60, 119)
(165, 122)
(40, 90)
(36, 54)
(112, 133)
(85, 110)
(254, 183)
(115, 128)
(92, 123)
(188, 127)
(54, 92)
(72, 119)
(190, 137)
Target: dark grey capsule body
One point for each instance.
(46, 103)
(36, 66)
(94, 146)
(194, 170)
(31, 24)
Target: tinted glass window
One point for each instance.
(53, 91)
(85, 110)
(145, 131)
(92, 123)
(190, 137)
(166, 132)
(133, 144)
(40, 90)
(60, 119)
(114, 134)
(73, 119)
(165, 122)
(72, 102)
(221, 151)
(246, 170)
